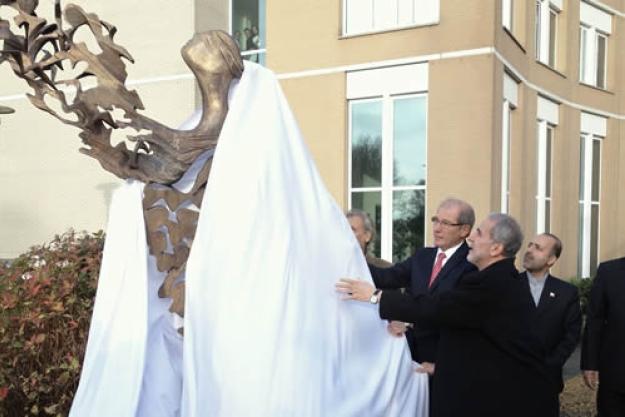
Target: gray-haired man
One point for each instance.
(489, 363)
(363, 229)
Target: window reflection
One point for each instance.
(409, 122)
(367, 144)
(408, 223)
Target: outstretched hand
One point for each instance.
(591, 379)
(397, 328)
(426, 368)
(355, 289)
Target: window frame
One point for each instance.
(595, 23)
(552, 59)
(509, 104)
(373, 28)
(506, 142)
(546, 46)
(586, 203)
(386, 188)
(599, 35)
(545, 159)
(507, 15)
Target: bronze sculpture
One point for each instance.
(161, 156)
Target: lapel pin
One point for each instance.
(552, 295)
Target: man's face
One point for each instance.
(482, 248)
(358, 227)
(445, 229)
(539, 256)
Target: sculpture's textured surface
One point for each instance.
(162, 155)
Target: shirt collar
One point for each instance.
(536, 279)
(449, 252)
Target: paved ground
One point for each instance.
(571, 368)
(576, 400)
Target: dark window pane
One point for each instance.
(582, 167)
(548, 146)
(596, 169)
(537, 33)
(371, 203)
(594, 238)
(547, 216)
(408, 223)
(409, 137)
(601, 60)
(553, 29)
(580, 242)
(367, 144)
(583, 34)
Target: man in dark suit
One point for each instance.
(489, 364)
(431, 270)
(554, 304)
(603, 346)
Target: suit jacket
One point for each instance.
(414, 274)
(557, 322)
(489, 362)
(603, 346)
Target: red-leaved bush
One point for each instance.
(46, 299)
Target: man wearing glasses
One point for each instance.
(431, 270)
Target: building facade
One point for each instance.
(514, 105)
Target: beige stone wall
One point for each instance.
(303, 35)
(47, 186)
(460, 133)
(320, 108)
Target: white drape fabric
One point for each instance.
(266, 335)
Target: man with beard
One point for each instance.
(489, 363)
(554, 304)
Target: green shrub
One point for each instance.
(583, 286)
(46, 299)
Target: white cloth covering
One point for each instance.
(266, 335)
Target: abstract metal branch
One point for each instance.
(160, 156)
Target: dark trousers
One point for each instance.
(610, 403)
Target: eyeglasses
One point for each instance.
(444, 223)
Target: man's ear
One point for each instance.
(552, 261)
(465, 231)
(496, 249)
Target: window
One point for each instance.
(547, 12)
(509, 104)
(593, 130)
(602, 42)
(506, 13)
(387, 136)
(547, 116)
(553, 34)
(595, 28)
(363, 16)
(248, 28)
(583, 54)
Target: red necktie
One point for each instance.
(437, 268)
